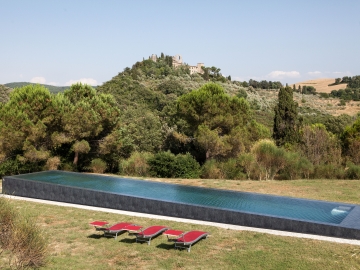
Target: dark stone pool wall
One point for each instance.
(46, 191)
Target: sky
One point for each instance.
(60, 42)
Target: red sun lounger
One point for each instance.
(99, 225)
(189, 238)
(147, 234)
(172, 235)
(114, 230)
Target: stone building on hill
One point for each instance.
(178, 61)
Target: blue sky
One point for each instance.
(60, 42)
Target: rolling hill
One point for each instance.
(322, 85)
(52, 88)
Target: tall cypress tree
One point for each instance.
(286, 120)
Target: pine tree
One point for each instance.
(285, 120)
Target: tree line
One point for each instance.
(155, 120)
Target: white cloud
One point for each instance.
(40, 80)
(277, 74)
(53, 83)
(88, 81)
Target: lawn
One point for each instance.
(73, 244)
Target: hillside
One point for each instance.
(322, 85)
(52, 88)
(4, 93)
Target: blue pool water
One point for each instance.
(300, 209)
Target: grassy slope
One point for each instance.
(322, 85)
(75, 245)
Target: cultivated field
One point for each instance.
(322, 85)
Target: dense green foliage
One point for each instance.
(4, 93)
(154, 119)
(264, 84)
(307, 90)
(351, 92)
(346, 94)
(168, 165)
(285, 120)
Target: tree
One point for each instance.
(350, 140)
(86, 119)
(286, 120)
(144, 128)
(319, 145)
(26, 124)
(36, 127)
(214, 120)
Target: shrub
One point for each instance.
(249, 165)
(296, 167)
(269, 157)
(136, 164)
(28, 244)
(185, 166)
(210, 170)
(232, 169)
(98, 165)
(68, 166)
(52, 163)
(7, 219)
(162, 164)
(9, 167)
(328, 171)
(22, 238)
(353, 171)
(342, 103)
(324, 95)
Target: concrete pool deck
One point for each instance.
(207, 223)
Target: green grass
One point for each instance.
(76, 245)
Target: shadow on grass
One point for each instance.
(165, 246)
(95, 236)
(128, 240)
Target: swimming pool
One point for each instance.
(246, 208)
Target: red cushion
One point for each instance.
(133, 228)
(190, 236)
(152, 230)
(99, 223)
(119, 226)
(173, 232)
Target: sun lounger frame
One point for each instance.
(187, 245)
(147, 238)
(114, 233)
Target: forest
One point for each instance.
(156, 120)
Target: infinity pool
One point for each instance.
(286, 207)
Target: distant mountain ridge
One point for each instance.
(52, 88)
